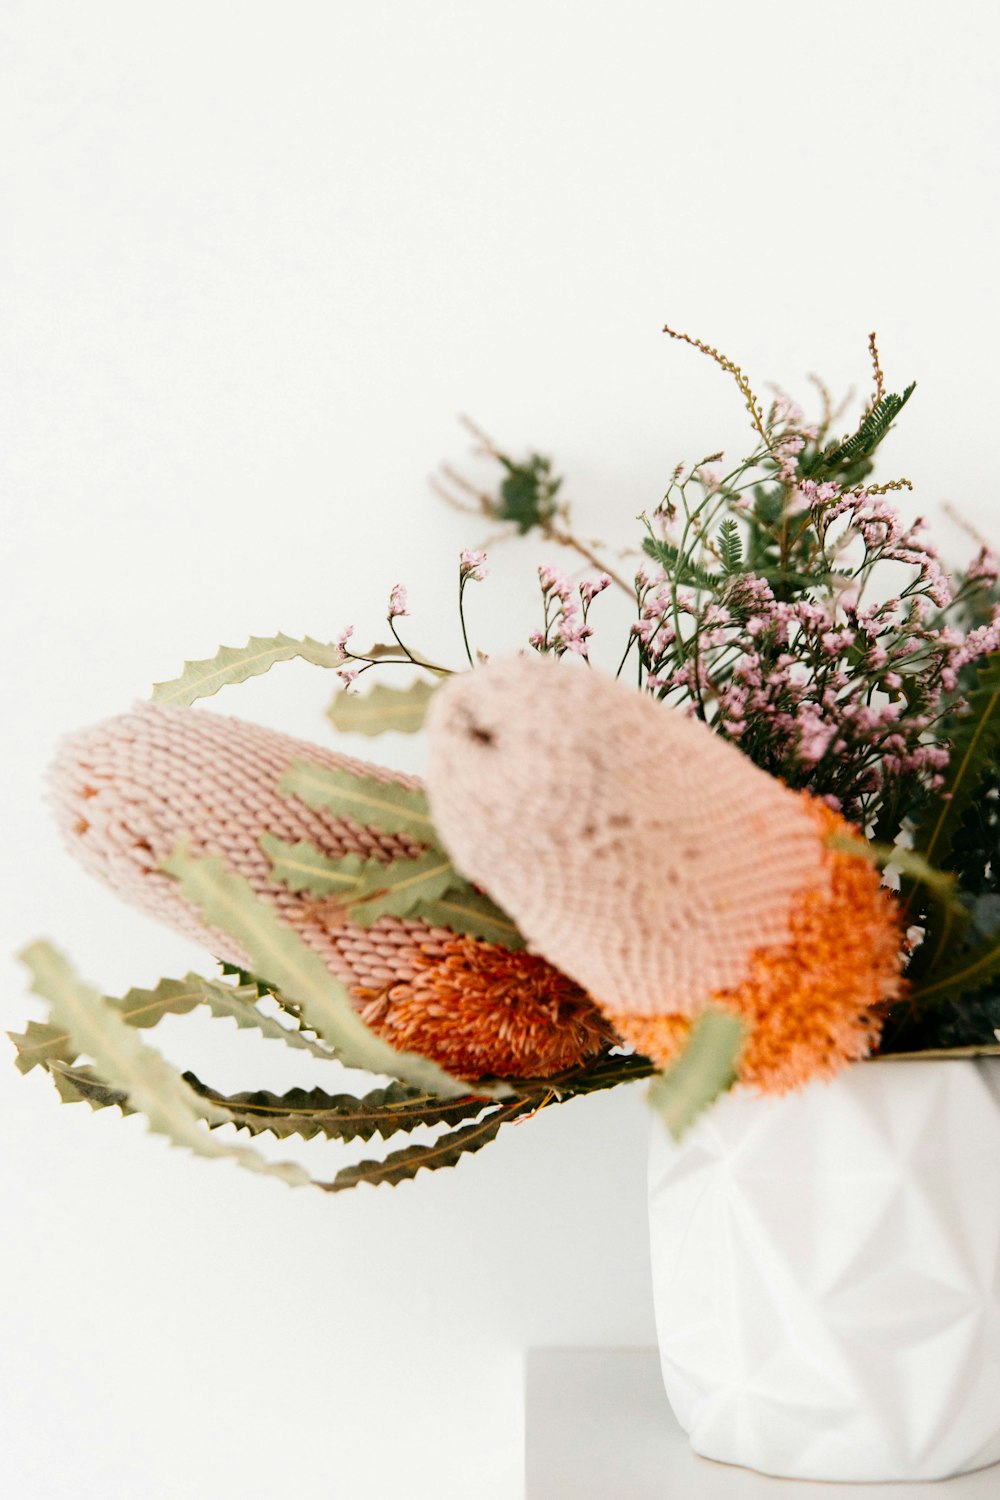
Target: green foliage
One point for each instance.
(301, 867)
(446, 1151)
(227, 901)
(311, 1112)
(527, 492)
(975, 742)
(381, 709)
(862, 443)
(231, 664)
(403, 887)
(683, 569)
(473, 914)
(126, 1065)
(366, 799)
(705, 1069)
(730, 546)
(427, 886)
(42, 1044)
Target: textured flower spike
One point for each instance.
(661, 869)
(130, 790)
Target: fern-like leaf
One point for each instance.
(730, 546)
(382, 708)
(876, 424)
(682, 569)
(231, 664)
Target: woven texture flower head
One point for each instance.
(129, 791)
(658, 867)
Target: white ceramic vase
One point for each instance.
(826, 1274)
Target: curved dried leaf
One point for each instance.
(311, 1112)
(382, 708)
(446, 1151)
(231, 664)
(126, 1064)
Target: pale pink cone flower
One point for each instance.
(624, 838)
(129, 791)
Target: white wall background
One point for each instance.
(256, 258)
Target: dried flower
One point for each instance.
(129, 791)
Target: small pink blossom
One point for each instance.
(347, 675)
(397, 601)
(472, 564)
(591, 587)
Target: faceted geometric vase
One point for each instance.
(826, 1274)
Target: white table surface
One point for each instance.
(598, 1427)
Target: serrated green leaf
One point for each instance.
(406, 885)
(302, 867)
(311, 1112)
(705, 1069)
(446, 1151)
(125, 1063)
(227, 901)
(41, 1044)
(385, 805)
(82, 1085)
(381, 709)
(472, 914)
(232, 664)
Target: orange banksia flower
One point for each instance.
(662, 870)
(481, 1009)
(812, 1003)
(128, 791)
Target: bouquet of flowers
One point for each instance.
(764, 849)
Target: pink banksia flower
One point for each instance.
(129, 791)
(663, 871)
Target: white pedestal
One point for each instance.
(598, 1427)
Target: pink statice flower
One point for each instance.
(397, 601)
(472, 565)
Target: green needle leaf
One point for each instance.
(382, 708)
(230, 664)
(705, 1069)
